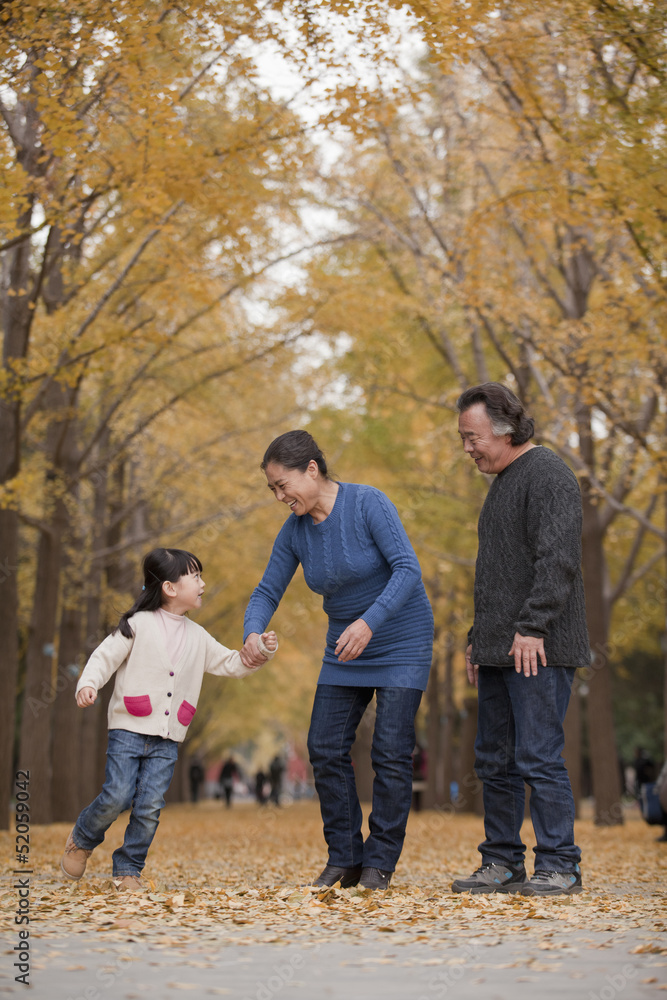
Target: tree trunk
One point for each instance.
(17, 315)
(469, 799)
(103, 700)
(15, 346)
(361, 755)
(664, 634)
(66, 759)
(178, 789)
(449, 721)
(433, 790)
(39, 693)
(9, 652)
(603, 754)
(40, 683)
(573, 744)
(93, 727)
(16, 326)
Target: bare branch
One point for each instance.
(624, 581)
(583, 470)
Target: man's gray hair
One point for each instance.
(500, 427)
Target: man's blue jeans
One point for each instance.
(337, 712)
(520, 738)
(138, 772)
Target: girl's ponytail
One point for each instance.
(159, 565)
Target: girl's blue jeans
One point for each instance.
(337, 712)
(138, 773)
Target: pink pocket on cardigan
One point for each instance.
(186, 713)
(140, 705)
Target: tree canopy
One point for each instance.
(193, 261)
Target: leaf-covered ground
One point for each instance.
(242, 875)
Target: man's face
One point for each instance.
(490, 454)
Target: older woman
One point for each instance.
(354, 552)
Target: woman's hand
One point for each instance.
(86, 696)
(250, 654)
(353, 641)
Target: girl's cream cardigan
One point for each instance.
(151, 695)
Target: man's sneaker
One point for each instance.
(128, 883)
(492, 878)
(332, 874)
(548, 883)
(74, 860)
(374, 878)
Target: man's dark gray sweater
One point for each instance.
(528, 572)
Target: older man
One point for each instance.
(529, 635)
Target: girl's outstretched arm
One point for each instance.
(230, 663)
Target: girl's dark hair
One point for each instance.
(505, 410)
(159, 565)
(294, 450)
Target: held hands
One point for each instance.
(267, 643)
(252, 654)
(86, 696)
(353, 641)
(525, 650)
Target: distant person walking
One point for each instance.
(276, 772)
(229, 773)
(644, 768)
(196, 775)
(260, 788)
(528, 636)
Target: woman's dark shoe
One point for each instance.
(332, 874)
(374, 878)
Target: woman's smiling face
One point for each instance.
(299, 490)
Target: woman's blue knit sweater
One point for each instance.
(362, 563)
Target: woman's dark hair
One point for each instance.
(294, 450)
(159, 565)
(505, 410)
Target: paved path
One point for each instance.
(578, 966)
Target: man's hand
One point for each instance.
(353, 641)
(472, 669)
(525, 650)
(86, 696)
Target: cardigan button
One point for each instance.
(171, 673)
(167, 712)
(168, 694)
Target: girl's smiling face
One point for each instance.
(185, 594)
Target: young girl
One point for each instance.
(159, 657)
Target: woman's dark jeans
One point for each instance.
(337, 712)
